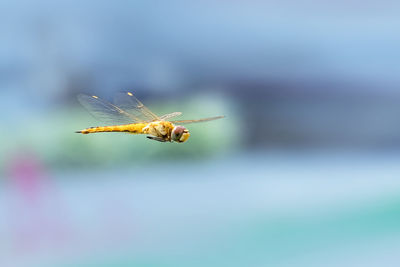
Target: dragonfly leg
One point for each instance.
(156, 138)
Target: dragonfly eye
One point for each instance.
(179, 134)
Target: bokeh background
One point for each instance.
(303, 171)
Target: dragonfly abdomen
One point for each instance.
(135, 128)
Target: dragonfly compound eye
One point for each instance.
(179, 134)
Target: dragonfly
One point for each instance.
(129, 115)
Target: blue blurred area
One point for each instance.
(301, 172)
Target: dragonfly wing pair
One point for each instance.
(126, 109)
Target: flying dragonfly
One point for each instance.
(129, 115)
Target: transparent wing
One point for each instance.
(200, 120)
(105, 111)
(170, 115)
(128, 102)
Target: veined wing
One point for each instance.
(128, 102)
(106, 112)
(170, 115)
(200, 120)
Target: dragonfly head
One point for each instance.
(180, 134)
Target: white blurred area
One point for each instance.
(277, 210)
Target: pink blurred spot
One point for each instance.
(27, 176)
(34, 206)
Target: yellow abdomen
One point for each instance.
(134, 128)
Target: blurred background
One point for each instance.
(303, 171)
